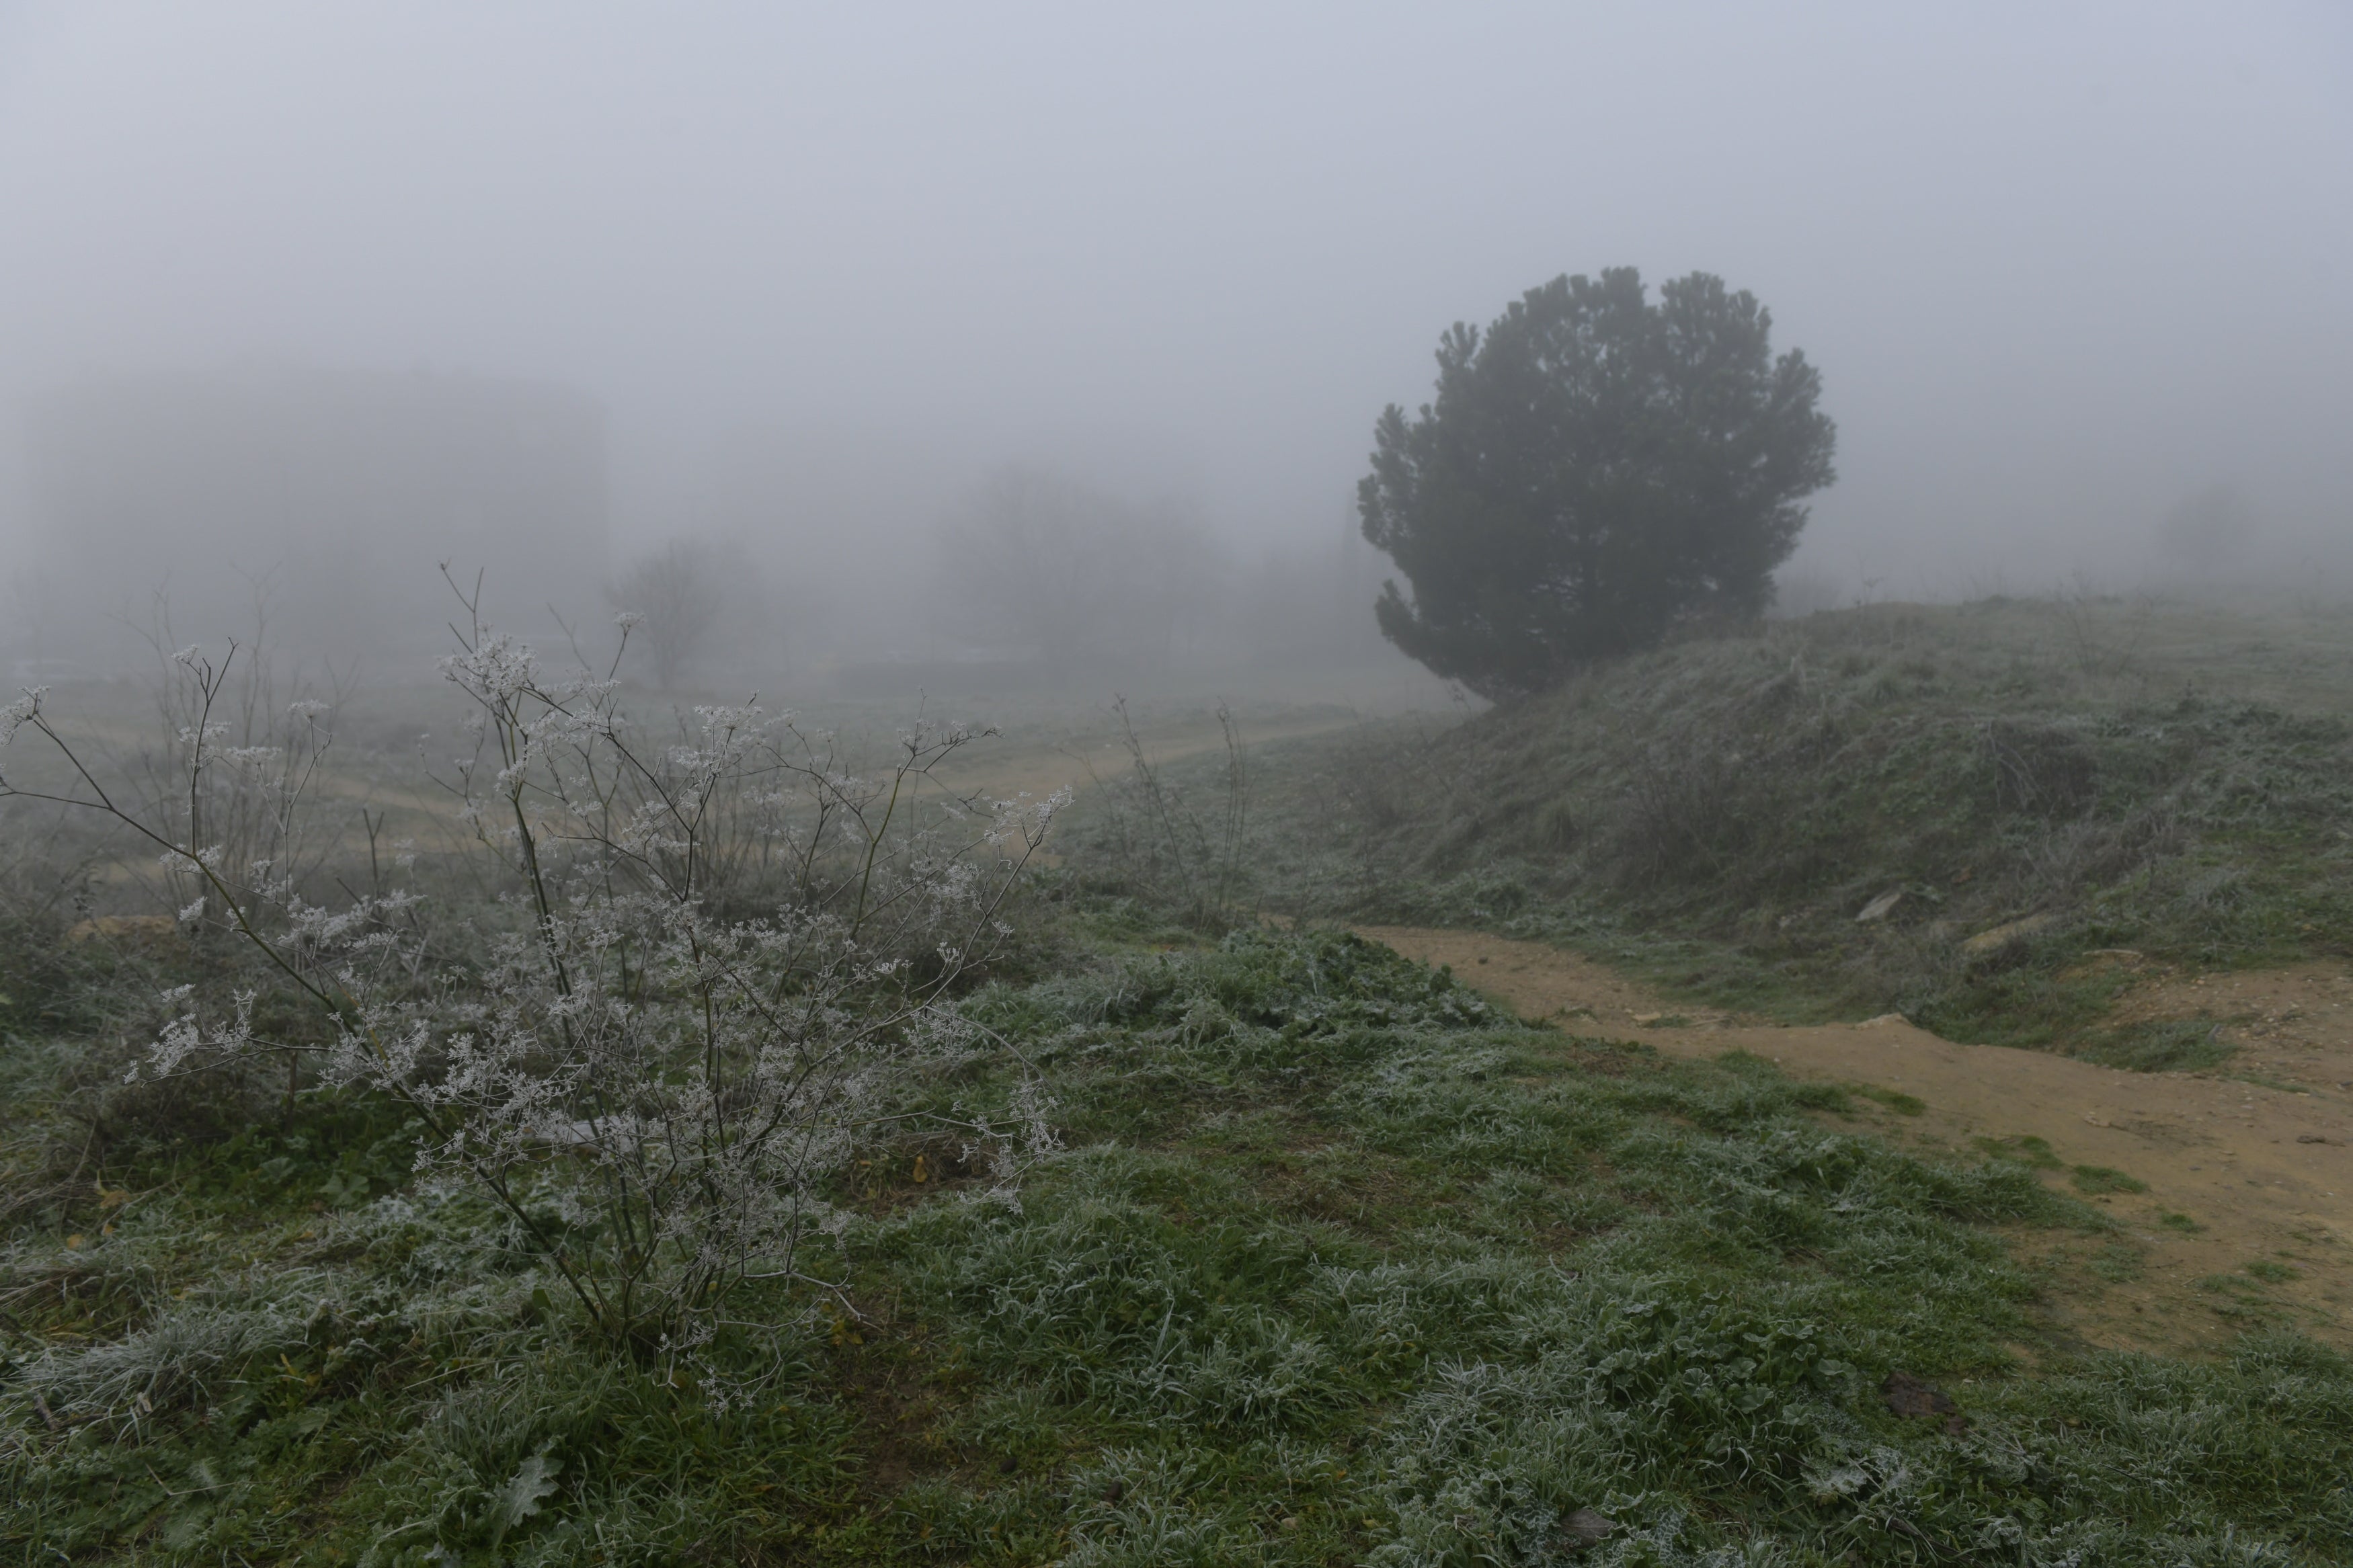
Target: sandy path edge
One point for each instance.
(2265, 1174)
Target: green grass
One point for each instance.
(2105, 1179)
(2027, 1151)
(2172, 1046)
(2117, 1263)
(1712, 815)
(1337, 1265)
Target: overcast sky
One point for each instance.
(2059, 264)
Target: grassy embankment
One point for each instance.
(2038, 781)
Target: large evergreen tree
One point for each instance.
(1594, 468)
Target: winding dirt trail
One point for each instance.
(2246, 1215)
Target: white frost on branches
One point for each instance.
(663, 1097)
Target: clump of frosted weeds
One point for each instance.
(188, 1353)
(656, 1094)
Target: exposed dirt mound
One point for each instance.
(2233, 1197)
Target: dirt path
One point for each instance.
(1041, 765)
(2262, 1170)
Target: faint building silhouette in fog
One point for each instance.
(334, 493)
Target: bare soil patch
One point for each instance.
(2244, 1208)
(2291, 1026)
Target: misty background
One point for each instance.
(1049, 339)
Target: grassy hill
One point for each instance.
(2010, 788)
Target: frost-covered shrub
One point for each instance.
(658, 1093)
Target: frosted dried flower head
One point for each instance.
(184, 1035)
(497, 670)
(22, 711)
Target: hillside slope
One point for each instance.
(1959, 812)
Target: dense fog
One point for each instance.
(850, 344)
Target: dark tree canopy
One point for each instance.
(1594, 467)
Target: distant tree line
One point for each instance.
(1040, 567)
(1035, 573)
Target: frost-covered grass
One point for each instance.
(1715, 814)
(1352, 1272)
(1336, 1266)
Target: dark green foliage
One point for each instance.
(1594, 468)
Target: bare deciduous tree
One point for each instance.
(680, 595)
(1058, 570)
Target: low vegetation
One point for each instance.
(1960, 813)
(1139, 1231)
(1334, 1265)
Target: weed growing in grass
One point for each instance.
(2104, 1179)
(2117, 1263)
(2027, 1151)
(2175, 1046)
(1148, 838)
